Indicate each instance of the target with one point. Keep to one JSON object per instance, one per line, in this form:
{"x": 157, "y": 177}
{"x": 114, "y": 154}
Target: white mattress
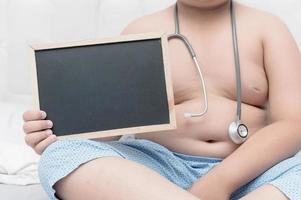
{"x": 29, "y": 192}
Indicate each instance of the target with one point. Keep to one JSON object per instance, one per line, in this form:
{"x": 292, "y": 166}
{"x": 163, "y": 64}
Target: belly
{"x": 207, "y": 135}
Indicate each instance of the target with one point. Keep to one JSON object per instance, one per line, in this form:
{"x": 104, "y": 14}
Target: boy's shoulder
{"x": 150, "y": 23}
{"x": 260, "y": 20}
{"x": 252, "y": 18}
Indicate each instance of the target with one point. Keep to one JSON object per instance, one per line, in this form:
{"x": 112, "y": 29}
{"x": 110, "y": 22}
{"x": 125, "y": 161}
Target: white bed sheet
{"x": 15, "y": 192}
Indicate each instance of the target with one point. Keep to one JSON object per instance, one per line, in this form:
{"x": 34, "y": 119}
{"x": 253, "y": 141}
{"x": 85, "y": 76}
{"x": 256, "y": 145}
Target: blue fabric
{"x": 63, "y": 157}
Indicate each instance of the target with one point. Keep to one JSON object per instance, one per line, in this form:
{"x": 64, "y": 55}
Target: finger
{"x": 34, "y": 126}
{"x": 34, "y": 138}
{"x": 32, "y": 115}
{"x": 39, "y": 148}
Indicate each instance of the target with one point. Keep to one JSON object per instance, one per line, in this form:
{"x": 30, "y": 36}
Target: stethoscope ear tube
{"x": 238, "y": 132}
{"x": 178, "y": 35}
{"x": 197, "y": 65}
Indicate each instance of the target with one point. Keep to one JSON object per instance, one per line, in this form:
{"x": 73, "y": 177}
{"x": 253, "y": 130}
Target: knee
{"x": 90, "y": 180}
{"x": 65, "y": 156}
{"x": 57, "y": 158}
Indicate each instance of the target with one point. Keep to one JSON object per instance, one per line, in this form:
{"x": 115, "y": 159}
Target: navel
{"x": 256, "y": 89}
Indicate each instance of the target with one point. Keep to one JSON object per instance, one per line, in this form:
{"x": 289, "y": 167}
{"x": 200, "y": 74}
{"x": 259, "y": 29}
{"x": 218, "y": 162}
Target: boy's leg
{"x": 280, "y": 182}
{"x": 113, "y": 178}
{"x": 265, "y": 192}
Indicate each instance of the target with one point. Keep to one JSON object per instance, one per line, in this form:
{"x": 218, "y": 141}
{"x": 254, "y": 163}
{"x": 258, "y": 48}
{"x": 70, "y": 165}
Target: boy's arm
{"x": 282, "y": 137}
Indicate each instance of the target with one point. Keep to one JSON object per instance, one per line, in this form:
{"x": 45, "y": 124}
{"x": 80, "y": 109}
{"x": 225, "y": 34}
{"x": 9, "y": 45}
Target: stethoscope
{"x": 238, "y": 132}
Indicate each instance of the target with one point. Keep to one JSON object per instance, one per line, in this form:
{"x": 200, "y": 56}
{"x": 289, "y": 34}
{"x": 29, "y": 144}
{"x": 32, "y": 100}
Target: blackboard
{"x": 105, "y": 87}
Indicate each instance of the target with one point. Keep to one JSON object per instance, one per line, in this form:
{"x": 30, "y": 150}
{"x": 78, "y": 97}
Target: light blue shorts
{"x": 63, "y": 157}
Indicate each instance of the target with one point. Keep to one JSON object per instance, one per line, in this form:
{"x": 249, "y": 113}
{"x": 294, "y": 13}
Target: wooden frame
{"x": 123, "y": 38}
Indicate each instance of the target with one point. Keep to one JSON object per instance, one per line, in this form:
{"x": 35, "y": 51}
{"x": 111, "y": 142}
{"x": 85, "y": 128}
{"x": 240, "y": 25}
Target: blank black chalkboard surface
{"x": 105, "y": 87}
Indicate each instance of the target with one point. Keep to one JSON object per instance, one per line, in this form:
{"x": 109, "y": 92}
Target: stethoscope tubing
{"x": 237, "y": 61}
{"x": 196, "y": 62}
{"x": 178, "y": 35}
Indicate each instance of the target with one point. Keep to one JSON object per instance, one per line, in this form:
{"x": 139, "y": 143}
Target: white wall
{"x": 39, "y": 21}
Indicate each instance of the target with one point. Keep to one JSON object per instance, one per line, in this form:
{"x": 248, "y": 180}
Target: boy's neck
{"x": 202, "y": 13}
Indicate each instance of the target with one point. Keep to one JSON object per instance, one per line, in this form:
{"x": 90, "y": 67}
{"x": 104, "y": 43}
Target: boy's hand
{"x": 37, "y": 129}
{"x": 208, "y": 189}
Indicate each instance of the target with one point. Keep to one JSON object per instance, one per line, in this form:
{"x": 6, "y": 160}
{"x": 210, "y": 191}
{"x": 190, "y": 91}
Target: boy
{"x": 197, "y": 160}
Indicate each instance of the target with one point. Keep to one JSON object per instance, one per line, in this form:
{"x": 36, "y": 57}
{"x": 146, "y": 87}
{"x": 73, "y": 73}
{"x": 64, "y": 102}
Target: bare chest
{"x": 216, "y": 57}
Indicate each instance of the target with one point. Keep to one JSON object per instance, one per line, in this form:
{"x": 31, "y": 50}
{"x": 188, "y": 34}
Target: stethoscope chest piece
{"x": 238, "y": 132}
